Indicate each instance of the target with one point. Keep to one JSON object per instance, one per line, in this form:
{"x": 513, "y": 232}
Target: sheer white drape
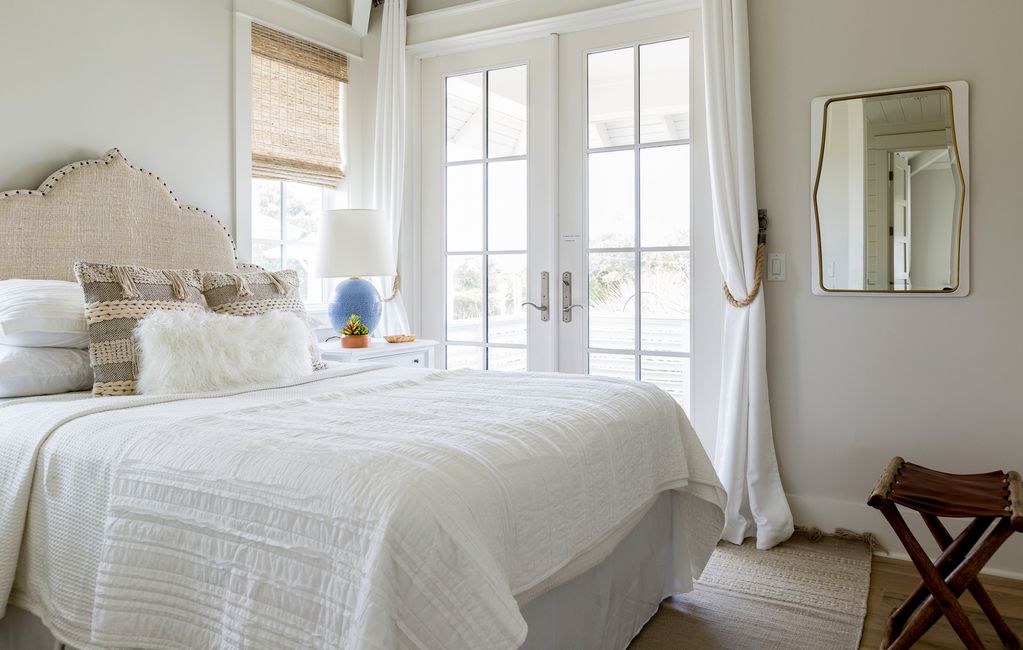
{"x": 745, "y": 457}
{"x": 389, "y": 150}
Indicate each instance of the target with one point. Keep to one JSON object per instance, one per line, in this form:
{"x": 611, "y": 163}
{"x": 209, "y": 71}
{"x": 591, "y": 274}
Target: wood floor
{"x": 891, "y": 581}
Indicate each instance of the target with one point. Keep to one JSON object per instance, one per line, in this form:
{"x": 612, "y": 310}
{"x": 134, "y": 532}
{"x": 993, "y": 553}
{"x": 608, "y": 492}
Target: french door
{"x": 486, "y": 226}
{"x": 557, "y": 172}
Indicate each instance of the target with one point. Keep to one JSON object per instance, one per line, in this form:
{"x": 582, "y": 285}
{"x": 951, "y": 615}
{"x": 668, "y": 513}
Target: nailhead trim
{"x": 111, "y": 156}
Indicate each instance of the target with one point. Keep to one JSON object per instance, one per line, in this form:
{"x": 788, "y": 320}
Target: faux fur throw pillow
{"x": 196, "y": 352}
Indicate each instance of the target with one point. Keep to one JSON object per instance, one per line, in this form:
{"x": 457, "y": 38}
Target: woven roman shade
{"x": 296, "y": 109}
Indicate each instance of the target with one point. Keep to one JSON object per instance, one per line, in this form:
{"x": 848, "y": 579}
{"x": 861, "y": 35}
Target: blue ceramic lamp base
{"x": 355, "y": 296}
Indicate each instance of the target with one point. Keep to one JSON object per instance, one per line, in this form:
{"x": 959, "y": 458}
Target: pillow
{"x": 249, "y": 294}
{"x": 186, "y": 352}
{"x": 42, "y": 314}
{"x": 116, "y": 299}
{"x": 43, "y": 371}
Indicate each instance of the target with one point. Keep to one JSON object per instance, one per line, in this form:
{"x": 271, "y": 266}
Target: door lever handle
{"x": 545, "y": 305}
{"x": 566, "y": 298}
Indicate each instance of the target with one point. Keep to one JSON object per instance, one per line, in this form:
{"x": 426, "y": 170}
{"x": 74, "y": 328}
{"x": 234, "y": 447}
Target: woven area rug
{"x": 801, "y": 594}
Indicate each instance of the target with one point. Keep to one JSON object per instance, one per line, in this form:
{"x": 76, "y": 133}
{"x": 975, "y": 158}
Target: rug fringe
{"x": 814, "y": 534}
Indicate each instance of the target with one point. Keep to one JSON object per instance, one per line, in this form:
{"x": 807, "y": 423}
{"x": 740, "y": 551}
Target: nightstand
{"x": 420, "y": 353}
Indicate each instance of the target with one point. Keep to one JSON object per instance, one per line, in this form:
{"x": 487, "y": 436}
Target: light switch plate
{"x": 775, "y": 267}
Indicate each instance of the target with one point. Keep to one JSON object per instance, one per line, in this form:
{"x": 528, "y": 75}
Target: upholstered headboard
{"x": 106, "y": 210}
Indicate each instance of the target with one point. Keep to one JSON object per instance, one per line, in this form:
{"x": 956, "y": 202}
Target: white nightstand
{"x": 420, "y": 353}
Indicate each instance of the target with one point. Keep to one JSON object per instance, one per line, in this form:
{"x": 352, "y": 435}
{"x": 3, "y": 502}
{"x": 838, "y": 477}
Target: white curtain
{"x": 389, "y": 152}
{"x": 745, "y": 457}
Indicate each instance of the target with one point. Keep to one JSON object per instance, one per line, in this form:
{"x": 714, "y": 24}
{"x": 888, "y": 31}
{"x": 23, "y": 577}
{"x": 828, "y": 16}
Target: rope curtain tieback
{"x": 395, "y": 287}
{"x": 757, "y": 279}
{"x": 758, "y": 275}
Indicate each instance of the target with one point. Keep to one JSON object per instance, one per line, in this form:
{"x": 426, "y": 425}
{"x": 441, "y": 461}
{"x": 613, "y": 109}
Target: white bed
{"x": 366, "y": 507}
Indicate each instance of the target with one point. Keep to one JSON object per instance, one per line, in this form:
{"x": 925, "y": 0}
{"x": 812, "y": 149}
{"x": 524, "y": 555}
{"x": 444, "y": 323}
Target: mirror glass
{"x": 889, "y": 193}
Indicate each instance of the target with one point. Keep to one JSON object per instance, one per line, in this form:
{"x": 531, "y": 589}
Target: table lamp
{"x": 354, "y": 243}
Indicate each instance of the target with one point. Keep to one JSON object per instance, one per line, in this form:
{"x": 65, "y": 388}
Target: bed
{"x": 360, "y": 507}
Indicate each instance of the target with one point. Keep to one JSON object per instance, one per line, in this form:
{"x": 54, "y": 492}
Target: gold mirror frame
{"x": 962, "y": 197}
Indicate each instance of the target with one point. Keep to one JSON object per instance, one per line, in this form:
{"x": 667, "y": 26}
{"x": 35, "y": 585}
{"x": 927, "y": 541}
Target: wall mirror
{"x": 890, "y": 192}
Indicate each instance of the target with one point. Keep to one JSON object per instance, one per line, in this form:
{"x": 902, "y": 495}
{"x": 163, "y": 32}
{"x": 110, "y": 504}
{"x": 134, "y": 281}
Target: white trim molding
{"x": 242, "y": 216}
{"x": 302, "y": 22}
{"x": 486, "y": 24}
{"x": 828, "y": 513}
{"x": 360, "y": 16}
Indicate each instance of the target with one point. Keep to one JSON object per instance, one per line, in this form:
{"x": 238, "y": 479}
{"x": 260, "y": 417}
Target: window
{"x": 285, "y": 221}
{"x": 297, "y": 127}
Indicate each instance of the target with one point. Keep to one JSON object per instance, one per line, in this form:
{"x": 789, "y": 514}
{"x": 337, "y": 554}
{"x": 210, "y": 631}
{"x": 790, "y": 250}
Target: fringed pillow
{"x": 249, "y": 294}
{"x": 116, "y": 299}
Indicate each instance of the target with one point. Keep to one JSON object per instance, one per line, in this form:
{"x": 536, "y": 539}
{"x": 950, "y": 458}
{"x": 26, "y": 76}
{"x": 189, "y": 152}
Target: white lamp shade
{"x": 354, "y": 242}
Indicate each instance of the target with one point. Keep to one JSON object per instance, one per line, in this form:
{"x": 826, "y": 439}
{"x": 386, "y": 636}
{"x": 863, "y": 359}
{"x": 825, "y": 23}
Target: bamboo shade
{"x": 296, "y": 109}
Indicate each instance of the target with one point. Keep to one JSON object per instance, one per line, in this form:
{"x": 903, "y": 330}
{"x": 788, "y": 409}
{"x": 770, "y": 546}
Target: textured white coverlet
{"x": 404, "y": 512}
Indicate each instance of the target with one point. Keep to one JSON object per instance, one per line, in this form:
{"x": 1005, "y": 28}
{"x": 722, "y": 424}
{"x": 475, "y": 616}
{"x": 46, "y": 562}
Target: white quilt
{"x": 370, "y": 508}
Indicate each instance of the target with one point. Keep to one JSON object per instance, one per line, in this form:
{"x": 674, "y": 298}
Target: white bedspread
{"x": 370, "y": 508}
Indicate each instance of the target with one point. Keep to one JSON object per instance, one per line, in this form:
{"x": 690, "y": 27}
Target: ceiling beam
{"x": 360, "y": 16}
{"x": 928, "y": 159}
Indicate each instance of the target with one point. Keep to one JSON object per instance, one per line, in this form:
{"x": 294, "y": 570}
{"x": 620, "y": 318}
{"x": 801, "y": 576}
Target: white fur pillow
{"x": 191, "y": 352}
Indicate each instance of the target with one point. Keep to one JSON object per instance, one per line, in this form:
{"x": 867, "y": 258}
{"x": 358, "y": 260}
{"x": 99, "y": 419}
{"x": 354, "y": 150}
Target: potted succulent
{"x": 355, "y": 334}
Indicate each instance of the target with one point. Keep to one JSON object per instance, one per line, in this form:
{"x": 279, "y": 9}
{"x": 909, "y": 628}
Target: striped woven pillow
{"x": 249, "y": 294}
{"x": 116, "y": 299}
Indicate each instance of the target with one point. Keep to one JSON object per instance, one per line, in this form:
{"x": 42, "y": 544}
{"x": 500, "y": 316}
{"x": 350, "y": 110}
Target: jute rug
{"x": 799, "y": 595}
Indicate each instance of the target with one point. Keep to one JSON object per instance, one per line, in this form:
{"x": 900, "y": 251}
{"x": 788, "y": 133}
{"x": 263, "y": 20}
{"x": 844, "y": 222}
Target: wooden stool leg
{"x": 944, "y": 540}
{"x": 965, "y": 573}
{"x": 952, "y": 555}
{"x": 941, "y": 597}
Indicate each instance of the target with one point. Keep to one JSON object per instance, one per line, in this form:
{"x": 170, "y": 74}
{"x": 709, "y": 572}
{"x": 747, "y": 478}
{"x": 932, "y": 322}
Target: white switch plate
{"x": 776, "y": 267}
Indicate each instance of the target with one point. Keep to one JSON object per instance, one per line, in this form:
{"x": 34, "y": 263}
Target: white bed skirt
{"x": 600, "y": 609}
{"x": 605, "y": 607}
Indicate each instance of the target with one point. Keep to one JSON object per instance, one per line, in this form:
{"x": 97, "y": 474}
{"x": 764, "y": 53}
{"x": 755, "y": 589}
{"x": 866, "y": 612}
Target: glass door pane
{"x": 637, "y": 216}
{"x": 486, "y": 217}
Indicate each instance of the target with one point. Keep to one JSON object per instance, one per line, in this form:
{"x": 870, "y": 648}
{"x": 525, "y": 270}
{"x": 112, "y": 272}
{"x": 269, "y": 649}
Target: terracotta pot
{"x": 360, "y": 341}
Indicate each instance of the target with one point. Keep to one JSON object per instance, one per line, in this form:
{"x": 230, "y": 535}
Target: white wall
{"x": 153, "y": 79}
{"x": 846, "y": 399}
{"x": 337, "y": 9}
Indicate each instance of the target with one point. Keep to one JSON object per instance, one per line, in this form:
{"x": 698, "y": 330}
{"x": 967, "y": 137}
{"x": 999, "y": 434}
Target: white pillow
{"x": 43, "y": 371}
{"x": 191, "y": 352}
{"x": 43, "y": 314}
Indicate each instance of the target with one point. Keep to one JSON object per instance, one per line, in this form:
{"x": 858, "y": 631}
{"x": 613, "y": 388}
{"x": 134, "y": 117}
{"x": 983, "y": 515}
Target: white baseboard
{"x": 828, "y": 514}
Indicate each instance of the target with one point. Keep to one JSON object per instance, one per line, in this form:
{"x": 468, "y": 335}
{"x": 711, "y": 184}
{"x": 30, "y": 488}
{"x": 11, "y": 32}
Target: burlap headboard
{"x": 106, "y": 210}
